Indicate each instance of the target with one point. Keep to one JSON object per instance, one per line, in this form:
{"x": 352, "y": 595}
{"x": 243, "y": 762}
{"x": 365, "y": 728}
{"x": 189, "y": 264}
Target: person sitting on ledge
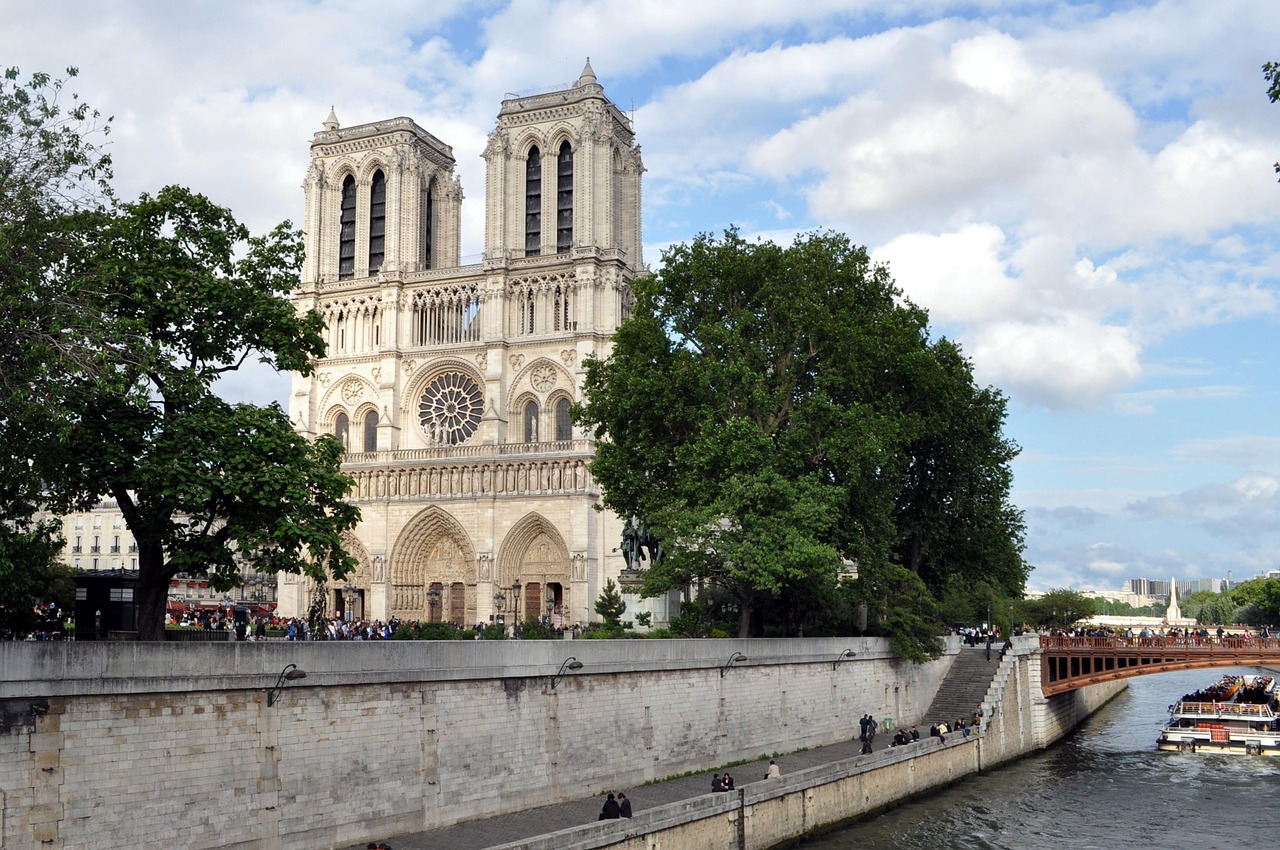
{"x": 774, "y": 772}
{"x": 611, "y": 809}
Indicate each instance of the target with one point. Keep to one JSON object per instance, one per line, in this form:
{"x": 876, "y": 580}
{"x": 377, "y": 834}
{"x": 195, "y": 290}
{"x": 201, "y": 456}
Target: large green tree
{"x": 187, "y": 295}
{"x": 116, "y": 322}
{"x": 775, "y": 412}
{"x": 50, "y": 169}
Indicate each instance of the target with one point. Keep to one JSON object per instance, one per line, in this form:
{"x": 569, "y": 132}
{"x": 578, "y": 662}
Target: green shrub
{"x": 437, "y": 631}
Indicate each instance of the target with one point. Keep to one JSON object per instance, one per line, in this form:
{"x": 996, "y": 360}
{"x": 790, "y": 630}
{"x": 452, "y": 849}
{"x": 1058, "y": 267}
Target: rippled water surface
{"x": 1105, "y": 786}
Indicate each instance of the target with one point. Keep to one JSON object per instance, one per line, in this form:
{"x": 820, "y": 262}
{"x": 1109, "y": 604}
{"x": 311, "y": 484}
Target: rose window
{"x": 450, "y": 409}
{"x": 544, "y": 378}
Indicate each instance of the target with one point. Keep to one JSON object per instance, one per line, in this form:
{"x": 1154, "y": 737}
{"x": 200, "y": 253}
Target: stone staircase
{"x": 965, "y": 685}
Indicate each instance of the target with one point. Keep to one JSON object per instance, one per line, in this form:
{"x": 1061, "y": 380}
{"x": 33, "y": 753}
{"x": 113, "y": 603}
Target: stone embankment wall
{"x": 120, "y": 745}
{"x": 765, "y": 814}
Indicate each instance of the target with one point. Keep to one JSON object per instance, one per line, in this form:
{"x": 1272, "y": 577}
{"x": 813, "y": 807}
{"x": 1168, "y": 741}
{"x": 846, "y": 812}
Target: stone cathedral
{"x": 451, "y": 384}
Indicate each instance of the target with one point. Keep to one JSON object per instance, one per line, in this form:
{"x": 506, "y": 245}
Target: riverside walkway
{"x": 531, "y": 823}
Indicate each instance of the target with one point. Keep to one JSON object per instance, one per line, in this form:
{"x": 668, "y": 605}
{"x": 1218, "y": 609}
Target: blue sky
{"x": 1082, "y": 195}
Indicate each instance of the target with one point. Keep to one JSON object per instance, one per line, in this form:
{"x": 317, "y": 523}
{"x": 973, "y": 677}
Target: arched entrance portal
{"x": 349, "y": 599}
{"x": 433, "y": 571}
{"x": 535, "y": 557}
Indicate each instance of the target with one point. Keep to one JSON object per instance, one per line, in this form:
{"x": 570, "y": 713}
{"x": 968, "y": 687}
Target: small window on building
{"x": 377, "y": 221}
{"x": 428, "y": 223}
{"x": 371, "y": 431}
{"x": 564, "y": 425}
{"x": 347, "y": 231}
{"x": 564, "y": 199}
{"x": 341, "y": 428}
{"x": 533, "y": 204}
{"x": 531, "y": 422}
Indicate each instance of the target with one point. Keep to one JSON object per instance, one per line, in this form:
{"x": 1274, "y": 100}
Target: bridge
{"x": 1068, "y": 663}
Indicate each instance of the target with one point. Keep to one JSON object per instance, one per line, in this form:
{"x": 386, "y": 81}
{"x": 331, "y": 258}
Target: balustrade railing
{"x": 1212, "y": 642}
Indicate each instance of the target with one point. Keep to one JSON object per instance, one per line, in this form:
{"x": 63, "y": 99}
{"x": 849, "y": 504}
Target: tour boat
{"x": 1239, "y": 714}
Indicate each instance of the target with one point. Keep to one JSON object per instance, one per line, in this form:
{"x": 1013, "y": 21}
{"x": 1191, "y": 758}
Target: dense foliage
{"x": 778, "y": 416}
{"x": 117, "y": 321}
{"x": 1271, "y": 71}
{"x": 50, "y": 170}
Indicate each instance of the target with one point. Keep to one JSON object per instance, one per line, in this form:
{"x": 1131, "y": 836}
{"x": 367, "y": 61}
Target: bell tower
{"x": 563, "y": 173}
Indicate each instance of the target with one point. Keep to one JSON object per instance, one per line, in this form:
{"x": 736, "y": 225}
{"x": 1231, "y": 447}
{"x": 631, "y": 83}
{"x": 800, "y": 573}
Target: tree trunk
{"x": 153, "y": 592}
{"x": 744, "y": 614}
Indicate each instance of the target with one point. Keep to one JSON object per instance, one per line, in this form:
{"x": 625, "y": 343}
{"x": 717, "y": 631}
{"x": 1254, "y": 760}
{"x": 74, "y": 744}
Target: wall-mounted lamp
{"x": 733, "y": 659}
{"x": 290, "y": 673}
{"x": 844, "y": 656}
{"x": 570, "y": 664}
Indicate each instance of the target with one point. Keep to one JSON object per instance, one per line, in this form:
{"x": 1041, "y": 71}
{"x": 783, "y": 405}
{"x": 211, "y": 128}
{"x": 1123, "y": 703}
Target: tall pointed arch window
{"x": 347, "y": 231}
{"x": 564, "y": 199}
{"x": 533, "y": 203}
{"x": 371, "y": 431}
{"x": 377, "y": 221}
{"x": 341, "y": 428}
{"x": 531, "y": 422}
{"x": 428, "y": 222}
{"x": 564, "y": 425}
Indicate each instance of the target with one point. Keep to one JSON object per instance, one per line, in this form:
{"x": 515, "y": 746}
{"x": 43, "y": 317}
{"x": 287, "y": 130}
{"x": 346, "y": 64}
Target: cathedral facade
{"x": 451, "y": 384}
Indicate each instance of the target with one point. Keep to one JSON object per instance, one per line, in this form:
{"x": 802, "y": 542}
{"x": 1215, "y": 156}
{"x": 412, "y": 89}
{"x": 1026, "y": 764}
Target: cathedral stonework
{"x": 451, "y": 384}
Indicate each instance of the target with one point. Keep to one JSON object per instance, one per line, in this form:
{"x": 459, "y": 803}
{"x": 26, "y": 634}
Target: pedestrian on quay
{"x": 728, "y": 782}
{"x": 717, "y": 784}
{"x": 611, "y": 810}
{"x": 773, "y": 772}
{"x": 863, "y": 722}
{"x": 624, "y": 805}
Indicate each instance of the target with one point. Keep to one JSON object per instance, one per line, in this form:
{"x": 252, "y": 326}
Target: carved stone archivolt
{"x": 432, "y": 549}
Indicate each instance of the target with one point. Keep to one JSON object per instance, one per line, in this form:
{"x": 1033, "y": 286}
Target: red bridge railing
{"x": 1070, "y": 662}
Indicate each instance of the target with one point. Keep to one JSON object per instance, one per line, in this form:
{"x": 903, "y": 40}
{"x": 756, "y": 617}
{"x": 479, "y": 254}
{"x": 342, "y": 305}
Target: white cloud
{"x": 1247, "y": 452}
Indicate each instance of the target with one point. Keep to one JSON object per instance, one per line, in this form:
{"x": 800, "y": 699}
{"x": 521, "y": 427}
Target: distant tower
{"x": 1175, "y": 613}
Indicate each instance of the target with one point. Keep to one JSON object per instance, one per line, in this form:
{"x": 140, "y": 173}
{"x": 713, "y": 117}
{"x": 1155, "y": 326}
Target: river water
{"x": 1105, "y": 786}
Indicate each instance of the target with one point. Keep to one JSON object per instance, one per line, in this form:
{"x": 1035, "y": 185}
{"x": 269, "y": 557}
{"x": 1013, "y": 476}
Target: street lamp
{"x": 515, "y": 592}
{"x": 847, "y": 655}
{"x": 348, "y": 598}
{"x": 433, "y": 599}
{"x": 290, "y": 673}
{"x": 570, "y": 663}
{"x": 736, "y": 658}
